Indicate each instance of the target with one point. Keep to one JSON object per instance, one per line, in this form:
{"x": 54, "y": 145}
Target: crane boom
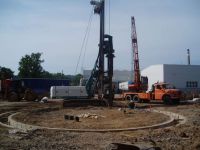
{"x": 138, "y": 90}
{"x": 137, "y": 77}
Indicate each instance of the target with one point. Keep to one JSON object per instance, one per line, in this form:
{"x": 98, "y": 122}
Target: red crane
{"x": 136, "y": 86}
{"x": 138, "y": 90}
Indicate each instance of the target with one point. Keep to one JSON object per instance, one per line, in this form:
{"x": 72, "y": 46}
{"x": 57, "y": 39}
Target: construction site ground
{"x": 176, "y": 137}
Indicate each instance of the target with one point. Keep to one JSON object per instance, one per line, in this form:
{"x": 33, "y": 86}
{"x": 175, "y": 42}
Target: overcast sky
{"x": 56, "y": 28}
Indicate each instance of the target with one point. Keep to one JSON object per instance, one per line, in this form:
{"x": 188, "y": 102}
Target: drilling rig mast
{"x": 103, "y": 77}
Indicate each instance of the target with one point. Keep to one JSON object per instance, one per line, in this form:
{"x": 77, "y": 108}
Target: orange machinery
{"x": 138, "y": 90}
{"x": 160, "y": 91}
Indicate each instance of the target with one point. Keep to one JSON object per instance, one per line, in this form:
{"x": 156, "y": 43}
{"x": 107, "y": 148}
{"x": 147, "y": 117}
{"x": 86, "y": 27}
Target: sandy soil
{"x": 182, "y": 137}
{"x": 92, "y": 118}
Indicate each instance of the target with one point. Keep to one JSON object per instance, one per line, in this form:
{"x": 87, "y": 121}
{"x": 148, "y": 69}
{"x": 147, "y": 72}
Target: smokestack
{"x": 188, "y": 55}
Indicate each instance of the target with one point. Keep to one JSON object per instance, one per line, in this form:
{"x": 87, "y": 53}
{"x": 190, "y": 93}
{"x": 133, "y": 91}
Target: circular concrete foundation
{"x": 173, "y": 118}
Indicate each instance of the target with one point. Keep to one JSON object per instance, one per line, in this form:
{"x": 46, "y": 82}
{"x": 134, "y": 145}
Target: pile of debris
{"x": 194, "y": 101}
{"x": 91, "y": 116}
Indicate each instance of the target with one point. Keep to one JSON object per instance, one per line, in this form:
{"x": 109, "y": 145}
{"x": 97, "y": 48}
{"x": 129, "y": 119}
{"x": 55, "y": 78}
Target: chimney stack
{"x": 188, "y": 55}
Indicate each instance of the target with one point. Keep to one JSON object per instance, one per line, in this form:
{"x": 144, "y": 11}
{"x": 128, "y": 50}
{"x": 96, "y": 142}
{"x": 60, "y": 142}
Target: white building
{"x": 184, "y": 77}
{"x": 118, "y": 75}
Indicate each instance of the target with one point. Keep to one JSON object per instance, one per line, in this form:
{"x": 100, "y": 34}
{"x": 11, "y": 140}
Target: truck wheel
{"x": 29, "y": 95}
{"x": 136, "y": 98}
{"x": 13, "y": 97}
{"x": 176, "y": 101}
{"x": 128, "y": 97}
{"x": 167, "y": 100}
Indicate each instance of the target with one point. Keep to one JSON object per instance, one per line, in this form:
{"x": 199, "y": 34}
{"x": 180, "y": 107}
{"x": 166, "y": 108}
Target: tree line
{"x": 30, "y": 66}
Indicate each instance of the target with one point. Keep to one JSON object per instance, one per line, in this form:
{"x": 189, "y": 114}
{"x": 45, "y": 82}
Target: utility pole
{"x": 188, "y": 56}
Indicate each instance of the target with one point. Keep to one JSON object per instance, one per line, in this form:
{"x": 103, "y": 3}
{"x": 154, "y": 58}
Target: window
{"x": 191, "y": 84}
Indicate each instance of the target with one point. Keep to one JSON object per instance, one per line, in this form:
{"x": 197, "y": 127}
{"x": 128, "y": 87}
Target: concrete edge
{"x": 182, "y": 119}
{"x": 3, "y": 124}
{"x": 171, "y": 121}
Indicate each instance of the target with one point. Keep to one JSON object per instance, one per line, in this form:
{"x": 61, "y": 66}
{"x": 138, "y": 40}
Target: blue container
{"x": 39, "y": 85}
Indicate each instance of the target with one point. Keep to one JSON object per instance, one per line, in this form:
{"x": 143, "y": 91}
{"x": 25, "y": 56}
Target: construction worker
{"x": 131, "y": 104}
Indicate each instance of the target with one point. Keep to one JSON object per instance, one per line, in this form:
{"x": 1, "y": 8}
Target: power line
{"x": 89, "y": 29}
{"x": 109, "y": 15}
{"x": 84, "y": 40}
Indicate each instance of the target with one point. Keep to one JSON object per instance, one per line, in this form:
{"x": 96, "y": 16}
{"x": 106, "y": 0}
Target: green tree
{"x": 30, "y": 66}
{"x": 76, "y": 79}
{"x": 6, "y": 73}
{"x": 46, "y": 74}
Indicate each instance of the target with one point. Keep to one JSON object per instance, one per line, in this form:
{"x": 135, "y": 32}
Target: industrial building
{"x": 184, "y": 77}
{"x": 118, "y": 75}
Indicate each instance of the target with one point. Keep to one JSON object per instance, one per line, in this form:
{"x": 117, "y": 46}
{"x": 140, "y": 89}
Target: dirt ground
{"x": 92, "y": 118}
{"x": 182, "y": 137}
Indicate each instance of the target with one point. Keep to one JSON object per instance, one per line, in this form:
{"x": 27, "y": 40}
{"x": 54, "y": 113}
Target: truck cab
{"x": 166, "y": 92}
{"x": 160, "y": 92}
